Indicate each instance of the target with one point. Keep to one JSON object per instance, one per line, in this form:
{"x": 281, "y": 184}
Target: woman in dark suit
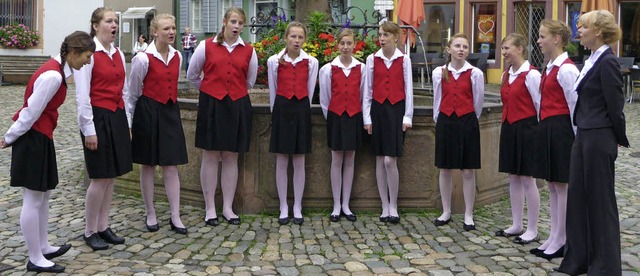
{"x": 593, "y": 229}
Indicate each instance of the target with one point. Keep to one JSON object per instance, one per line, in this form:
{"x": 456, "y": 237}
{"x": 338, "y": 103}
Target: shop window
{"x": 484, "y": 29}
{"x": 574, "y": 49}
{"x": 18, "y": 11}
{"x": 630, "y": 24}
{"x": 438, "y": 27}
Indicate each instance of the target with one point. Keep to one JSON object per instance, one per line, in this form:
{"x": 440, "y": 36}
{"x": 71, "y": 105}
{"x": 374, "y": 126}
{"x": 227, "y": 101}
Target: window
{"x": 630, "y": 25}
{"x": 574, "y": 49}
{"x": 224, "y": 6}
{"x": 438, "y": 27}
{"x": 266, "y": 8}
{"x": 528, "y": 16}
{"x": 196, "y": 19}
{"x": 484, "y": 27}
{"x": 338, "y": 8}
{"x": 18, "y": 11}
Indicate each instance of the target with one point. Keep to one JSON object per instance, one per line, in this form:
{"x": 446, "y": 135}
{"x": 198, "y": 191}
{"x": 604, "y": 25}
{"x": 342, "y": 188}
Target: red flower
{"x": 327, "y": 52}
{"x": 275, "y": 37}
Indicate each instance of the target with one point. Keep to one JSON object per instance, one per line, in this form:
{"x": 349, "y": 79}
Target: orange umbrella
{"x": 592, "y": 5}
{"x": 411, "y": 12}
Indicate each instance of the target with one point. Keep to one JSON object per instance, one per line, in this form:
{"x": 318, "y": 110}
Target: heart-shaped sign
{"x": 486, "y": 26}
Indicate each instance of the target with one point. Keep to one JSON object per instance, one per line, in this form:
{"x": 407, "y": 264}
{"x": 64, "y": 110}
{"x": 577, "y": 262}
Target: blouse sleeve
{"x": 82, "y": 79}
{"x": 325, "y": 88}
{"x": 436, "y": 77}
{"x": 533, "y": 86}
{"x": 139, "y": 69}
{"x": 272, "y": 78}
{"x": 368, "y": 91}
{"x": 195, "y": 65}
{"x": 408, "y": 91}
{"x": 313, "y": 77}
{"x": 477, "y": 86}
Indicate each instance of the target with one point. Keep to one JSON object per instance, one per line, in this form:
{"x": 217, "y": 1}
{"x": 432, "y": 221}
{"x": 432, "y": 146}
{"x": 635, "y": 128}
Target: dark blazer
{"x": 600, "y": 98}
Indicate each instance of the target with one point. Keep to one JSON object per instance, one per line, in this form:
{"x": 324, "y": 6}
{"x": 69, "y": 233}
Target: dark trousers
{"x": 593, "y": 228}
{"x": 186, "y": 56}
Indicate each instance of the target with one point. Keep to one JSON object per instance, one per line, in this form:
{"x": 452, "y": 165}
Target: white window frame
{"x": 196, "y": 16}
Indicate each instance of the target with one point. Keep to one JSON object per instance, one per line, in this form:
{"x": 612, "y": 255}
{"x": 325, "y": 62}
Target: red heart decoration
{"x": 486, "y": 26}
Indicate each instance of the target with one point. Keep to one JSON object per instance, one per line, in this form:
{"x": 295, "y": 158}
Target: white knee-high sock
{"x": 469, "y": 190}
{"x": 32, "y": 202}
{"x": 446, "y": 189}
{"x": 348, "y": 167}
{"x": 147, "y": 188}
{"x": 92, "y": 205}
{"x": 533, "y": 206}
{"x": 516, "y": 196}
{"x": 282, "y": 164}
{"x": 209, "y": 181}
{"x": 298, "y": 183}
{"x": 383, "y": 188}
{"x": 393, "y": 182}
{"x": 553, "y": 209}
{"x": 172, "y": 188}
{"x": 229, "y": 182}
{"x": 103, "y": 214}
{"x": 337, "y": 158}
{"x": 560, "y": 235}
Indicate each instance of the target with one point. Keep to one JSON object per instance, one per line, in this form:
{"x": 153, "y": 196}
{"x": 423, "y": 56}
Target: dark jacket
{"x": 600, "y": 98}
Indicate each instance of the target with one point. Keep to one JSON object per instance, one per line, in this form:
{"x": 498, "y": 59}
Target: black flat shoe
{"x": 152, "y": 228}
{"x": 559, "y": 253}
{"x": 384, "y": 219}
{"x": 283, "y": 221}
{"x": 110, "y": 237}
{"x": 521, "y": 241}
{"x": 179, "y": 230}
{"x": 52, "y": 269}
{"x": 95, "y": 242}
{"x": 212, "y": 222}
{"x": 438, "y": 222}
{"x": 351, "y": 217}
{"x": 536, "y": 251}
{"x": 63, "y": 249}
{"x": 232, "y": 221}
{"x": 502, "y": 233}
{"x": 394, "y": 219}
{"x": 298, "y": 221}
{"x": 468, "y": 227}
{"x": 334, "y": 218}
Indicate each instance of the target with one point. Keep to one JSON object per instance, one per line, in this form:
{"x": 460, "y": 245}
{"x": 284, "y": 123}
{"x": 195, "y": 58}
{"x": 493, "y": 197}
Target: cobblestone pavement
{"x": 260, "y": 246}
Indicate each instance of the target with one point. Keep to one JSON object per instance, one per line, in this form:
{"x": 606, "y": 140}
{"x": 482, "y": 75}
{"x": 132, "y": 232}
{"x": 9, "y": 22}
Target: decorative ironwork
{"x": 262, "y": 22}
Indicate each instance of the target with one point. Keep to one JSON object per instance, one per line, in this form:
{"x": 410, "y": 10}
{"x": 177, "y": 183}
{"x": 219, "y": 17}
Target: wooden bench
{"x": 18, "y": 69}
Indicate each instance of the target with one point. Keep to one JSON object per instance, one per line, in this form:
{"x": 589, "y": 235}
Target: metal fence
{"x": 18, "y": 11}
{"x": 528, "y": 16}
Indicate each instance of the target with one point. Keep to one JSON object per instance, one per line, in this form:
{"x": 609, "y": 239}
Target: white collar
{"x": 151, "y": 49}
{"x": 336, "y": 62}
{"x": 396, "y": 54}
{"x": 595, "y": 55}
{"x": 67, "y": 69}
{"x": 234, "y": 44}
{"x": 525, "y": 67}
{"x": 99, "y": 47}
{"x": 465, "y": 67}
{"x": 558, "y": 61}
{"x": 303, "y": 55}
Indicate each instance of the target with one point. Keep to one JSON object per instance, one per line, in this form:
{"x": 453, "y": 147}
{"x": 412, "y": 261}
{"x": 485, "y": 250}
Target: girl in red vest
{"x": 458, "y": 93}
{"x": 387, "y": 113}
{"x": 292, "y": 75}
{"x": 555, "y": 132}
{"x": 223, "y": 127}
{"x": 100, "y": 96}
{"x": 341, "y": 84}
{"x": 157, "y": 135}
{"x": 31, "y": 138}
{"x": 520, "y": 104}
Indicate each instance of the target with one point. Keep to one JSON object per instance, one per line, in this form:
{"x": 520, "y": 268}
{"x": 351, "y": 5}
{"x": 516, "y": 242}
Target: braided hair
{"x": 228, "y": 14}
{"x": 77, "y": 42}
{"x": 286, "y": 33}
{"x": 445, "y": 70}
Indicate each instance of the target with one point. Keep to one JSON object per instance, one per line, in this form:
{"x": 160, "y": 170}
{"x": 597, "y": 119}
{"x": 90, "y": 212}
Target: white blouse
{"x": 477, "y": 87}
{"x": 272, "y": 73}
{"x": 325, "y": 80}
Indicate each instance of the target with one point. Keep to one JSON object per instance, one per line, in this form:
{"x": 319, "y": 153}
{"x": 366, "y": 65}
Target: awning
{"x": 136, "y": 13}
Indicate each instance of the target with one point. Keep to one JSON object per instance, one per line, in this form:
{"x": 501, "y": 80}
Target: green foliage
{"x": 18, "y": 36}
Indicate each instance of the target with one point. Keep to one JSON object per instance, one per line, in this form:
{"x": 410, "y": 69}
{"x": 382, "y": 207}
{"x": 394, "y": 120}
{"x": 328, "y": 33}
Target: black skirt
{"x": 157, "y": 134}
{"x": 33, "y": 162}
{"x": 113, "y": 156}
{"x": 387, "y": 135}
{"x": 290, "y": 126}
{"x": 554, "y": 139}
{"x": 223, "y": 125}
{"x": 517, "y": 147}
{"x": 344, "y": 133}
{"x": 457, "y": 142}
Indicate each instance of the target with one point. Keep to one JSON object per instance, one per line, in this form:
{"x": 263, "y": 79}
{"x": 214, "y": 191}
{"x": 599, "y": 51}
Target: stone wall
{"x": 256, "y": 189}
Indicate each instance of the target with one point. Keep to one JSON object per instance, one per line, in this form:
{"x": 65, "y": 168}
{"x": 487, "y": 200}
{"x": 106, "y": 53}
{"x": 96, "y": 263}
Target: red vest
{"x": 225, "y": 73}
{"x": 457, "y": 95}
{"x": 292, "y": 80}
{"x": 48, "y": 120}
{"x": 345, "y": 91}
{"x": 161, "y": 80}
{"x": 388, "y": 83}
{"x": 552, "y": 101}
{"x": 516, "y": 100}
{"x": 107, "y": 81}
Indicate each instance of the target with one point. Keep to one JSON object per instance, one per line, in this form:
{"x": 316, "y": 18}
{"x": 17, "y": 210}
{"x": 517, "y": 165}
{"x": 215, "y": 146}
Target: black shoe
{"x": 438, "y": 222}
{"x": 110, "y": 237}
{"x": 559, "y": 253}
{"x": 350, "y": 217}
{"x": 521, "y": 241}
{"x": 212, "y": 222}
{"x": 468, "y": 227}
{"x": 334, "y": 218}
{"x": 63, "y": 249}
{"x": 95, "y": 242}
{"x": 283, "y": 221}
{"x": 53, "y": 269}
{"x": 394, "y": 219}
{"x": 153, "y": 228}
{"x": 536, "y": 251}
{"x": 232, "y": 221}
{"x": 502, "y": 233}
{"x": 384, "y": 219}
{"x": 179, "y": 230}
{"x": 298, "y": 221}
